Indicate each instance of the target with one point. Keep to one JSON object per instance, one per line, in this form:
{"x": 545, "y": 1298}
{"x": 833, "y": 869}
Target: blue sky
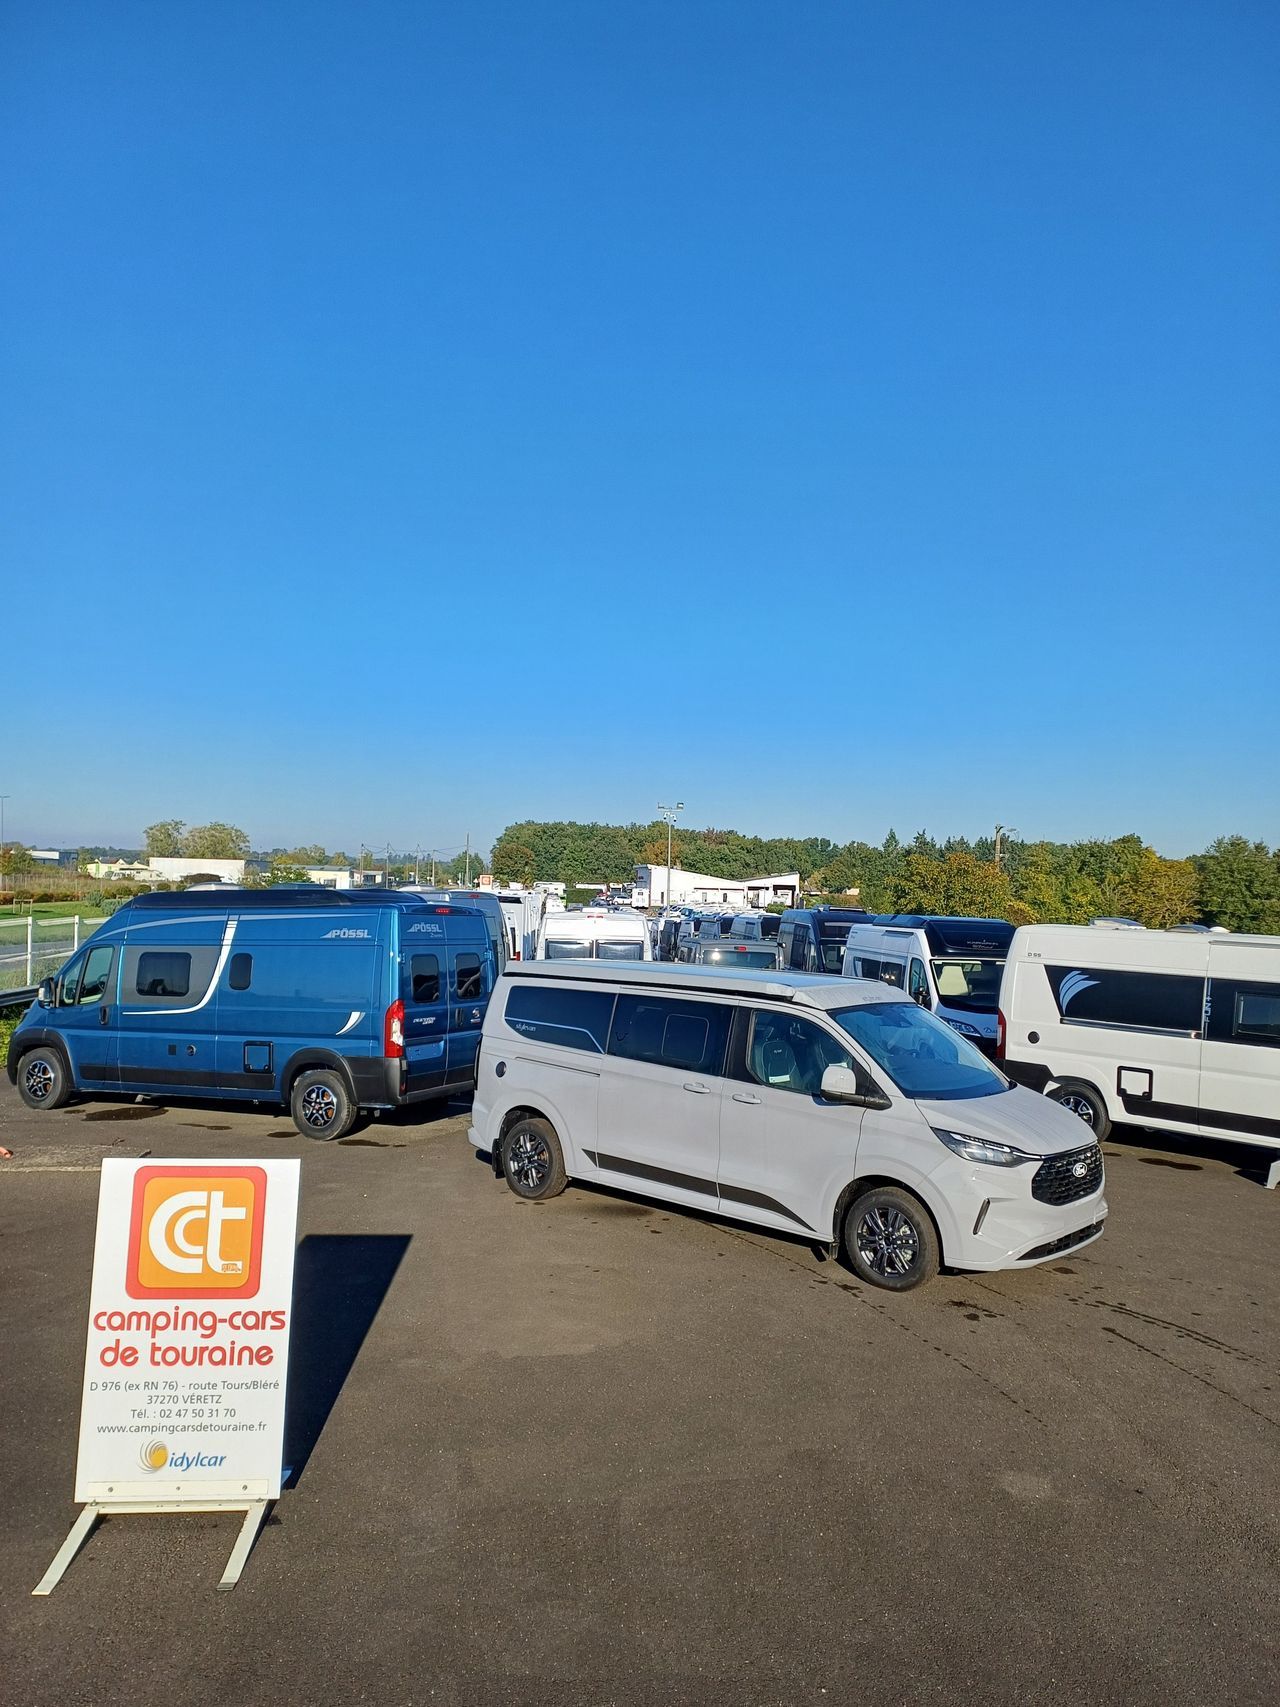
{"x": 415, "y": 418}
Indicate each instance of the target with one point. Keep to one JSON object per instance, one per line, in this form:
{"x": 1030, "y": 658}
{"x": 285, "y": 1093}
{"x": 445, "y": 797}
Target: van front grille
{"x": 1069, "y": 1177}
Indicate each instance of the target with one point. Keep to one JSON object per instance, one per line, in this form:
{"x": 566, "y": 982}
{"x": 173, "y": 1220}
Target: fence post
{"x": 75, "y": 933}
{"x": 31, "y": 928}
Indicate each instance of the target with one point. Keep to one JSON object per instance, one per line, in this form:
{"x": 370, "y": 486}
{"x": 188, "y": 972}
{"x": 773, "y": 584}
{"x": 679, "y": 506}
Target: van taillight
{"x": 393, "y": 1031}
{"x": 1000, "y": 1035}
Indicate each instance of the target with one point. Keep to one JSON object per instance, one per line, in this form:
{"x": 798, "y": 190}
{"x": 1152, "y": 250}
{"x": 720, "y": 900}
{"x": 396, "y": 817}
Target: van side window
{"x": 88, "y": 981}
{"x": 892, "y": 971}
{"x": 575, "y": 1019}
{"x": 468, "y": 978}
{"x": 918, "y": 984}
{"x": 240, "y": 973}
{"x": 1244, "y": 1013}
{"x": 159, "y": 977}
{"x": 670, "y": 1032}
{"x": 790, "y": 1054}
{"x": 799, "y": 948}
{"x": 1147, "y": 1001}
{"x": 163, "y": 972}
{"x": 424, "y": 977}
{"x": 868, "y": 966}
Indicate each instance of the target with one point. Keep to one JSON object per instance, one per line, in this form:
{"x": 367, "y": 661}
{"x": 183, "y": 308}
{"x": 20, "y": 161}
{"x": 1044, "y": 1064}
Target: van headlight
{"x": 982, "y": 1149}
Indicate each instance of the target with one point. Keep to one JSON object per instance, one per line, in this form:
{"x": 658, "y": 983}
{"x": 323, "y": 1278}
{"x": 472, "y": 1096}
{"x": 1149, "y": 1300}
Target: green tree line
{"x": 1235, "y": 882}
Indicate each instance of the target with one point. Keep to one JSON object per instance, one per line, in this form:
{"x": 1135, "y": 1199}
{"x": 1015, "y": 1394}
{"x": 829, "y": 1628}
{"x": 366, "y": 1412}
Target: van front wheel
{"x": 321, "y": 1104}
{"x": 889, "y": 1238}
{"x": 42, "y": 1079}
{"x": 533, "y": 1162}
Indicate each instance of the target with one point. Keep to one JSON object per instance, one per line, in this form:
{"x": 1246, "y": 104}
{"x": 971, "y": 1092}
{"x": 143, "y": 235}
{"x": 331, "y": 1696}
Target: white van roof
{"x": 806, "y": 989}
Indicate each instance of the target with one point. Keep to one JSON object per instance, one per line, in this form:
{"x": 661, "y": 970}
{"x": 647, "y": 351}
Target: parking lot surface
{"x": 599, "y": 1451}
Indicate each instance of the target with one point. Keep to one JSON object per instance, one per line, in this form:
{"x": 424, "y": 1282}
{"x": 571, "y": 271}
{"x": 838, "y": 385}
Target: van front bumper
{"x": 1021, "y": 1232}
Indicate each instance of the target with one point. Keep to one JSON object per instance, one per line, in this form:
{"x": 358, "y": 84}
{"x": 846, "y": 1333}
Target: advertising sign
{"x": 189, "y": 1316}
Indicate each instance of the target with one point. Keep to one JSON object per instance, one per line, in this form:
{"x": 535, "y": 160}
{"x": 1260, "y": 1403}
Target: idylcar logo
{"x": 154, "y": 1456}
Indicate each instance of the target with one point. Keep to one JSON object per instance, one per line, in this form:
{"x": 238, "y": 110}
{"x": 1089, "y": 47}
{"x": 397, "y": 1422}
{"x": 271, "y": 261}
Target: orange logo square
{"x": 196, "y": 1232}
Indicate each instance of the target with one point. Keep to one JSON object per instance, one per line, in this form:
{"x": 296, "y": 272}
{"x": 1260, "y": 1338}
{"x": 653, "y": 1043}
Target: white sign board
{"x": 189, "y": 1317}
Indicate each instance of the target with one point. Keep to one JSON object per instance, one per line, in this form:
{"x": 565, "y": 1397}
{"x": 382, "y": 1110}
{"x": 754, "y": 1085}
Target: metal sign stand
{"x": 255, "y": 1512}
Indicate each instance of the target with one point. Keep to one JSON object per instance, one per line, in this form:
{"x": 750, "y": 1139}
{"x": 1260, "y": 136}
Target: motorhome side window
{"x": 790, "y": 1054}
{"x": 467, "y": 977}
{"x": 163, "y": 973}
{"x": 1147, "y": 1001}
{"x": 1244, "y": 1013}
{"x": 155, "y": 977}
{"x": 240, "y": 972}
{"x": 574, "y": 1019}
{"x": 670, "y": 1032}
{"x": 424, "y": 975}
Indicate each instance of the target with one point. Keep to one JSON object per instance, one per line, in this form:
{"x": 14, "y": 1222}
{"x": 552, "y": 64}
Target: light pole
{"x": 669, "y": 814}
{"x": 3, "y": 798}
{"x": 1003, "y": 831}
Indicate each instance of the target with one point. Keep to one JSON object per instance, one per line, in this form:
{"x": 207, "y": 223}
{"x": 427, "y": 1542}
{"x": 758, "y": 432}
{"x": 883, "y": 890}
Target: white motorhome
{"x": 523, "y": 910}
{"x": 1178, "y": 1030}
{"x": 950, "y": 966}
{"x": 829, "y": 1110}
{"x": 596, "y": 933}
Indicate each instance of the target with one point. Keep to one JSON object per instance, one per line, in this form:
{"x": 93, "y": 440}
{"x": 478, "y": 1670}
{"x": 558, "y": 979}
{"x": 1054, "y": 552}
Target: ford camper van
{"x": 835, "y": 1110}
{"x": 950, "y": 966}
{"x": 329, "y": 1001}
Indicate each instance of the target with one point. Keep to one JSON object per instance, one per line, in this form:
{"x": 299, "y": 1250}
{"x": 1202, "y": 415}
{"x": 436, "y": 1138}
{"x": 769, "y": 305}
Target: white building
{"x": 165, "y": 868}
{"x": 331, "y": 876}
{"x": 120, "y": 871}
{"x": 696, "y": 889}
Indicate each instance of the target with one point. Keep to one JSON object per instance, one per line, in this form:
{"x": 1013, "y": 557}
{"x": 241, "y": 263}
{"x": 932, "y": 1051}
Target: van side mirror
{"x": 842, "y": 1084}
{"x": 44, "y": 993}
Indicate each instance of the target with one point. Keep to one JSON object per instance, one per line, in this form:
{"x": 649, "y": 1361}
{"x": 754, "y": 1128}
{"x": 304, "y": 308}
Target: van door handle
{"x": 699, "y": 1090}
{"x": 104, "y": 1014}
{"x": 745, "y": 1096}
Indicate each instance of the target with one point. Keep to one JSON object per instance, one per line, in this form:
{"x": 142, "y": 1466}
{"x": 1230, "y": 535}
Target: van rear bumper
{"x": 378, "y": 1081}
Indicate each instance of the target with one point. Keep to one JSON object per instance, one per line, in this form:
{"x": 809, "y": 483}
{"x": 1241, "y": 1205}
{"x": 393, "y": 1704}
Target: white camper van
{"x": 950, "y": 966}
{"x": 1178, "y": 1030}
{"x": 596, "y": 933}
{"x": 523, "y": 910}
{"x": 833, "y": 1111}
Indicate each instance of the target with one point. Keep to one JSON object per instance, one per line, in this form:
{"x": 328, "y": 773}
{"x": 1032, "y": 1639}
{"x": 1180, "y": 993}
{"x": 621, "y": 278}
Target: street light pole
{"x": 3, "y": 798}
{"x": 669, "y": 815}
{"x": 1002, "y": 831}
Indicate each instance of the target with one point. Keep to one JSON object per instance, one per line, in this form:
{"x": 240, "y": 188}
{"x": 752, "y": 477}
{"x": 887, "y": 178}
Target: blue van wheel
{"x": 321, "y": 1104}
{"x": 43, "y": 1081}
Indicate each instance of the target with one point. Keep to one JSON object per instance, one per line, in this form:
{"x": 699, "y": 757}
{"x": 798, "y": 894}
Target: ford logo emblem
{"x": 1080, "y": 1169}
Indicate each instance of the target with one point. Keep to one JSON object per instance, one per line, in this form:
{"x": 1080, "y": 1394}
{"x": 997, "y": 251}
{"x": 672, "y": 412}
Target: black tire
{"x": 533, "y": 1162}
{"x": 1082, "y": 1100}
{"x": 43, "y": 1080}
{"x": 321, "y": 1104}
{"x": 890, "y": 1239}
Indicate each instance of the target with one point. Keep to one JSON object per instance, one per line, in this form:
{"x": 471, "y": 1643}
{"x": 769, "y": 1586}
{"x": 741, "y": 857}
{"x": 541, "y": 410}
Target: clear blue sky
{"x": 420, "y": 417}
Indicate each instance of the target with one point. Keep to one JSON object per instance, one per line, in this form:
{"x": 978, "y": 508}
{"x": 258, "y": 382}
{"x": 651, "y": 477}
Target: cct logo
{"x": 196, "y": 1232}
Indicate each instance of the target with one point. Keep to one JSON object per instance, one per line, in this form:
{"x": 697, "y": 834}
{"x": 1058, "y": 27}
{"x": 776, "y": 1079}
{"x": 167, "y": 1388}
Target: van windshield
{"x": 973, "y": 986}
{"x": 921, "y": 1054}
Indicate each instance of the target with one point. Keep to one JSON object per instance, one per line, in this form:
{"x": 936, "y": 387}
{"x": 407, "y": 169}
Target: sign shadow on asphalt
{"x": 340, "y": 1281}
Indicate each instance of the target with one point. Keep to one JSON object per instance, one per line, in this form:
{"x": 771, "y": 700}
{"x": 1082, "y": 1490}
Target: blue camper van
{"x": 327, "y": 1001}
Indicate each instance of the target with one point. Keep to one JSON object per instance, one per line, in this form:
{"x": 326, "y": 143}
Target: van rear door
{"x": 470, "y": 965}
{"x": 424, "y": 977}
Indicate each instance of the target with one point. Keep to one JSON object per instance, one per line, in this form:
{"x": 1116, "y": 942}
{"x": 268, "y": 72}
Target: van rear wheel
{"x": 1084, "y": 1102}
{"x": 532, "y": 1160}
{"x": 889, "y": 1238}
{"x": 321, "y": 1104}
{"x": 43, "y": 1081}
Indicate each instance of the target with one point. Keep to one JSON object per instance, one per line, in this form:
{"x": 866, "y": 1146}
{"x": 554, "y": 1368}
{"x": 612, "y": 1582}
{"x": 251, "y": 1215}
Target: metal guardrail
{"x": 18, "y": 998}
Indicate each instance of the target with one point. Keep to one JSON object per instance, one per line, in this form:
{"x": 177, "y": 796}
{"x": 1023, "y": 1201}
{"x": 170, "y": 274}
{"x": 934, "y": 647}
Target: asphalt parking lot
{"x": 598, "y": 1451}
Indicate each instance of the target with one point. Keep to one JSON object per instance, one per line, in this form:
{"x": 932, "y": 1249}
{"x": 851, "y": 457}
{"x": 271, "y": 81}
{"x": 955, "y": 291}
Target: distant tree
{"x": 513, "y": 860}
{"x": 282, "y": 871}
{"x": 164, "y": 840}
{"x": 1240, "y": 885}
{"x": 312, "y": 855}
{"x": 215, "y": 841}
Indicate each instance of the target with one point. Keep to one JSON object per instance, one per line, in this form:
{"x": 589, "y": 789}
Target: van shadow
{"x": 339, "y": 1283}
{"x": 1250, "y": 1161}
